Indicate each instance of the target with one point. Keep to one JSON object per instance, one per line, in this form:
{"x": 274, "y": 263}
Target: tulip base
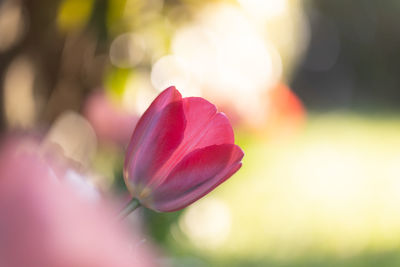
{"x": 130, "y": 207}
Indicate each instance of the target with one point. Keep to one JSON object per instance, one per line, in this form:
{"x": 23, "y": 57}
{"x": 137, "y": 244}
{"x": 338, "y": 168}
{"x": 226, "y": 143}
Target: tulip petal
{"x": 168, "y": 96}
{"x": 158, "y": 133}
{"x": 204, "y": 127}
{"x": 197, "y": 174}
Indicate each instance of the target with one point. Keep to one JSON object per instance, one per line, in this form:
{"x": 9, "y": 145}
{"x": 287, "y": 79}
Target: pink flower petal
{"x": 204, "y": 127}
{"x": 158, "y": 133}
{"x": 45, "y": 223}
{"x": 111, "y": 123}
{"x": 197, "y": 174}
{"x": 168, "y": 96}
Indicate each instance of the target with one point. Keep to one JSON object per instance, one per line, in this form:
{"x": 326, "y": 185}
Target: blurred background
{"x": 311, "y": 87}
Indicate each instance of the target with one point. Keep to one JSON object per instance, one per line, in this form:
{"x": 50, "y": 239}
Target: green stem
{"x": 131, "y": 206}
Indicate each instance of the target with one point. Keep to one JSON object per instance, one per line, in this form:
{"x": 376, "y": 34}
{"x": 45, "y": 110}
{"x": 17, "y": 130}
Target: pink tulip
{"x": 180, "y": 150}
{"x": 44, "y": 223}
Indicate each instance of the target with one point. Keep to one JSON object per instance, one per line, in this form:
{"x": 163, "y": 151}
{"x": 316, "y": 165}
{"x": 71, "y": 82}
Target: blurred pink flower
{"x": 43, "y": 223}
{"x": 181, "y": 149}
{"x": 110, "y": 122}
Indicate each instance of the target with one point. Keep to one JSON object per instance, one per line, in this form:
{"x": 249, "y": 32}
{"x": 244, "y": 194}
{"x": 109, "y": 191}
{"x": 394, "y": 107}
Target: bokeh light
{"x": 127, "y": 50}
{"x": 74, "y": 136}
{"x": 20, "y": 106}
{"x": 13, "y": 23}
{"x": 207, "y": 223}
{"x": 265, "y": 9}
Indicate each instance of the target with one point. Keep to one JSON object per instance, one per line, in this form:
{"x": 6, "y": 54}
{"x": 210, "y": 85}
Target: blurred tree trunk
{"x": 66, "y": 64}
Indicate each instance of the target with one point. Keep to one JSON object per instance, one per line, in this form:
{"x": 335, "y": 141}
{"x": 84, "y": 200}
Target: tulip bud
{"x": 180, "y": 150}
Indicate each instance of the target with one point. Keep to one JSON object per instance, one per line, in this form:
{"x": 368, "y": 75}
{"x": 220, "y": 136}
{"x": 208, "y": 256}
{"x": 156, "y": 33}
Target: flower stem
{"x": 131, "y": 206}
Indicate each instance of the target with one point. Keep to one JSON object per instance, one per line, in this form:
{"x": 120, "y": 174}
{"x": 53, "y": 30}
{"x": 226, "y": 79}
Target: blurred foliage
{"x": 74, "y": 14}
{"x": 116, "y": 80}
{"x": 367, "y": 259}
{"x": 353, "y": 57}
{"x": 159, "y": 223}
